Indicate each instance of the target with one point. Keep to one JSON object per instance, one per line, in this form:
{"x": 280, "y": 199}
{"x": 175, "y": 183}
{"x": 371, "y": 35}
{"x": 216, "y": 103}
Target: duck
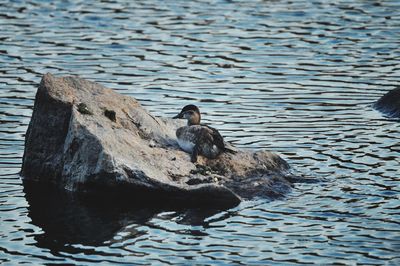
{"x": 199, "y": 139}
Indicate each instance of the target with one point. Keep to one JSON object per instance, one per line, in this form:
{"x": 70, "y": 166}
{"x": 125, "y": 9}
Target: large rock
{"x": 389, "y": 104}
{"x": 85, "y": 137}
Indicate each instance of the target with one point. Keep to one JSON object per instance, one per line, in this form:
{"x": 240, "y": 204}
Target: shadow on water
{"x": 67, "y": 218}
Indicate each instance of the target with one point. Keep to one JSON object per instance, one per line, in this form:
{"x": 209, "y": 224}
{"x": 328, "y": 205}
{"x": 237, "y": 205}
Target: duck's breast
{"x": 186, "y": 145}
{"x": 186, "y": 138}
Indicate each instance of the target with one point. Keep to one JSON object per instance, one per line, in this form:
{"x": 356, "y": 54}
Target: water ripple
{"x": 295, "y": 77}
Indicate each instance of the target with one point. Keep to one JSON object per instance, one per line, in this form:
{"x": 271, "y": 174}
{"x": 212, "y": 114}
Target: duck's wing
{"x": 219, "y": 141}
{"x": 215, "y": 137}
{"x": 198, "y": 134}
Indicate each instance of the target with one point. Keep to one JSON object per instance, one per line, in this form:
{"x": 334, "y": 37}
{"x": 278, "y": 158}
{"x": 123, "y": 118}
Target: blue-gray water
{"x": 295, "y": 77}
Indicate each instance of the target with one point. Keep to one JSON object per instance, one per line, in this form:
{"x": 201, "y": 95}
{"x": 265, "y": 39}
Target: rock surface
{"x": 389, "y": 104}
{"x": 85, "y": 137}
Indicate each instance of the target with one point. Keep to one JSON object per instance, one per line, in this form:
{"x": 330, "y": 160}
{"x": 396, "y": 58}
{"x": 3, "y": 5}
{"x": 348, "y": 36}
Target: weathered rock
{"x": 389, "y": 104}
{"x": 85, "y": 137}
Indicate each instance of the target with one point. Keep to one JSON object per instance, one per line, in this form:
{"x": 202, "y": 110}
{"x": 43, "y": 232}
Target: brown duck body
{"x": 196, "y": 138}
{"x": 200, "y": 140}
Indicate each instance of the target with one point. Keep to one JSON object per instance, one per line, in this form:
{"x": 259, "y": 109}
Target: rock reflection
{"x": 67, "y": 218}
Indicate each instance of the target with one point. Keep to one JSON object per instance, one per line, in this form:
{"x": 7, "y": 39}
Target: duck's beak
{"x": 180, "y": 115}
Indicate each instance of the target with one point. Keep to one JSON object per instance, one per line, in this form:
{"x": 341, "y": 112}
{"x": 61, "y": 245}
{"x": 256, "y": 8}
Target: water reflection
{"x": 67, "y": 218}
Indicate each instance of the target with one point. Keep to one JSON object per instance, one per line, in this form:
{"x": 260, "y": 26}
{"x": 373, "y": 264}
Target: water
{"x": 294, "y": 77}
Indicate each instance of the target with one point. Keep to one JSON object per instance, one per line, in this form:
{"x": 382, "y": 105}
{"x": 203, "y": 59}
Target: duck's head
{"x": 191, "y": 113}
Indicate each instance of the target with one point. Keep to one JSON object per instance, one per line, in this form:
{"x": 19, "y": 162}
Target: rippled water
{"x": 295, "y": 77}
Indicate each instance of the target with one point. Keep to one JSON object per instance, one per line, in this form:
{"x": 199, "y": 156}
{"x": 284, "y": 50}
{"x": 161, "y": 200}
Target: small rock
{"x": 389, "y": 104}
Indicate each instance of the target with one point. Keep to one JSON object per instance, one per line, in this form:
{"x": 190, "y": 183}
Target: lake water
{"x": 294, "y": 77}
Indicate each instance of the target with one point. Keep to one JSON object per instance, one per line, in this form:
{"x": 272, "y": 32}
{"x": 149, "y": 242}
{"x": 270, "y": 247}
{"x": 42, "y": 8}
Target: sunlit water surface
{"x": 294, "y": 77}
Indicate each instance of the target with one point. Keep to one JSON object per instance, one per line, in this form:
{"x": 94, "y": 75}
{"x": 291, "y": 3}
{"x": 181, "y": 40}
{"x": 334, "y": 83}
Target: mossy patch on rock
{"x": 110, "y": 114}
{"x": 84, "y": 109}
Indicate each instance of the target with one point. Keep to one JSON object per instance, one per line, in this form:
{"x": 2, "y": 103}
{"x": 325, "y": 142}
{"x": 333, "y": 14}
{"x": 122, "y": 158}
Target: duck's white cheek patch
{"x": 186, "y": 145}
